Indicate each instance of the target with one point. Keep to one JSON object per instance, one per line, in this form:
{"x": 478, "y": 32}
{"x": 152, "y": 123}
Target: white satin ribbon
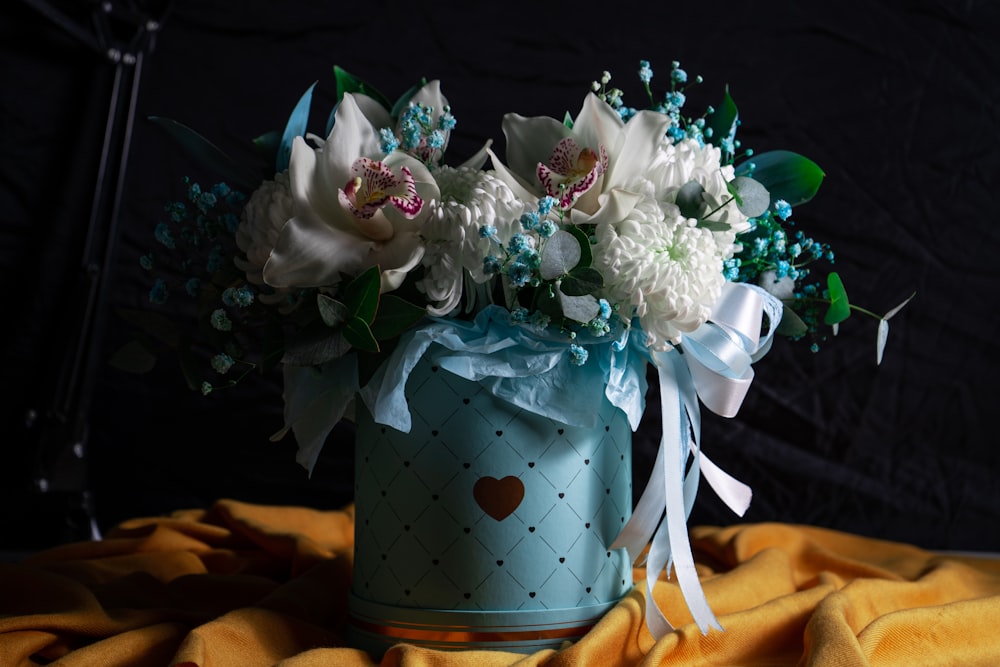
{"x": 715, "y": 367}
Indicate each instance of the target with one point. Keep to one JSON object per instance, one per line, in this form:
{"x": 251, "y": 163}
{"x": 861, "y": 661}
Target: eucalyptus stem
{"x": 851, "y": 306}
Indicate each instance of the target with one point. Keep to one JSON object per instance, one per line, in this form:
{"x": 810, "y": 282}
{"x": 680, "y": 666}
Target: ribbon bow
{"x": 715, "y": 367}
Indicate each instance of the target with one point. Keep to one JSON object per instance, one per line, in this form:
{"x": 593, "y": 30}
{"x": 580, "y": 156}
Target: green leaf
{"x": 395, "y": 315}
{"x": 791, "y": 324}
{"x": 586, "y": 254}
{"x": 267, "y": 146}
{"x": 211, "y": 156}
{"x": 333, "y": 312}
{"x": 547, "y": 302}
{"x": 582, "y": 280}
{"x": 361, "y": 294}
{"x": 298, "y": 120}
{"x": 348, "y": 83}
{"x": 723, "y": 122}
{"x": 786, "y": 175}
{"x": 752, "y": 198}
{"x": 133, "y": 357}
{"x": 689, "y": 199}
{"x": 840, "y": 308}
{"x": 359, "y": 335}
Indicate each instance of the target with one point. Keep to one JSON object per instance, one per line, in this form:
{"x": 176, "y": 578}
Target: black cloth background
{"x": 897, "y": 102}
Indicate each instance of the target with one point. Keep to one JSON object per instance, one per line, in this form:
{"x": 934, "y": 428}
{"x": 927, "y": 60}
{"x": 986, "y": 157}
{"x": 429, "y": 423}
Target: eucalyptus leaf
{"x": 786, "y": 175}
{"x": 892, "y": 312}
{"x": 211, "y": 156}
{"x": 359, "y": 335}
{"x": 133, "y": 357}
{"x": 753, "y": 199}
{"x": 561, "y": 253}
{"x": 361, "y": 295}
{"x": 881, "y": 336}
{"x": 579, "y": 308}
{"x": 840, "y": 308}
{"x": 714, "y": 225}
{"x": 582, "y": 280}
{"x": 333, "y": 312}
{"x": 298, "y": 120}
{"x": 317, "y": 350}
{"x": 791, "y": 325}
{"x": 395, "y": 315}
{"x": 689, "y": 199}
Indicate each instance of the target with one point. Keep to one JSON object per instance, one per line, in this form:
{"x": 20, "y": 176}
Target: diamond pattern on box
{"x": 484, "y": 506}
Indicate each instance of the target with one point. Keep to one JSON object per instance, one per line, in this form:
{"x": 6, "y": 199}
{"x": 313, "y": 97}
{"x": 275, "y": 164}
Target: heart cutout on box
{"x": 498, "y": 497}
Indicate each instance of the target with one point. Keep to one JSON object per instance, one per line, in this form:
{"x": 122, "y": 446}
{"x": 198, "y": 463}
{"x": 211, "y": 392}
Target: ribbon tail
{"x": 734, "y": 493}
{"x": 673, "y": 491}
{"x": 639, "y": 529}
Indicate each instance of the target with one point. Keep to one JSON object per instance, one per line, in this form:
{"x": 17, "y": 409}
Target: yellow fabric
{"x": 242, "y": 585}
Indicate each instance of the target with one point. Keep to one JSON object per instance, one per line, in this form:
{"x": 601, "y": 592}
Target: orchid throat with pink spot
{"x": 572, "y": 171}
{"x": 374, "y": 185}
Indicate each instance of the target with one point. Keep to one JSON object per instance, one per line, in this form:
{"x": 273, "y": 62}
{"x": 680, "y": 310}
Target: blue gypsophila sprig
{"x": 420, "y": 133}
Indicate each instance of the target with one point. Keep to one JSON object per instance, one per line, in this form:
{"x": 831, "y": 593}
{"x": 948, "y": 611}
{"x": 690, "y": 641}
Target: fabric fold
{"x": 246, "y": 584}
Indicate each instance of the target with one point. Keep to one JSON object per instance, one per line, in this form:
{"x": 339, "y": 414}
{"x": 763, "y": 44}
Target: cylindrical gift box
{"x": 487, "y": 525}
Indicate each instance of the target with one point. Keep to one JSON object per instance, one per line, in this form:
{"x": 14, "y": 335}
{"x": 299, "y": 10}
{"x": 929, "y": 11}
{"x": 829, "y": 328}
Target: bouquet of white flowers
{"x": 612, "y": 229}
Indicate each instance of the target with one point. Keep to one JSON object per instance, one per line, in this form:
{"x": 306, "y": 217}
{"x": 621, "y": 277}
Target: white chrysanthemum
{"x": 662, "y": 265}
{"x": 668, "y": 270}
{"x": 687, "y": 160}
{"x": 470, "y": 200}
{"x": 266, "y": 212}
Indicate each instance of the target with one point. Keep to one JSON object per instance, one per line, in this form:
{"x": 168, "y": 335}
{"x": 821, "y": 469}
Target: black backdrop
{"x": 896, "y": 101}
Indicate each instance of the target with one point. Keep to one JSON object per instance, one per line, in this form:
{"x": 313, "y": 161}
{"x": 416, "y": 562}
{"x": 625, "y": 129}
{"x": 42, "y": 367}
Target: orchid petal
{"x": 373, "y": 111}
{"x": 306, "y": 180}
{"x": 640, "y": 144}
{"x": 615, "y": 207}
{"x": 478, "y": 160}
{"x": 521, "y": 189}
{"x": 598, "y": 124}
{"x": 430, "y": 95}
{"x": 403, "y": 253}
{"x": 373, "y": 186}
{"x": 427, "y": 187}
{"x": 530, "y": 141}
{"x": 311, "y": 253}
{"x": 352, "y": 136}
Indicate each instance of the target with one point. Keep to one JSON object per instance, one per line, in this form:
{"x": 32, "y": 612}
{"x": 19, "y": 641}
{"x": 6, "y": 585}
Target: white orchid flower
{"x": 588, "y": 169}
{"x": 352, "y": 209}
